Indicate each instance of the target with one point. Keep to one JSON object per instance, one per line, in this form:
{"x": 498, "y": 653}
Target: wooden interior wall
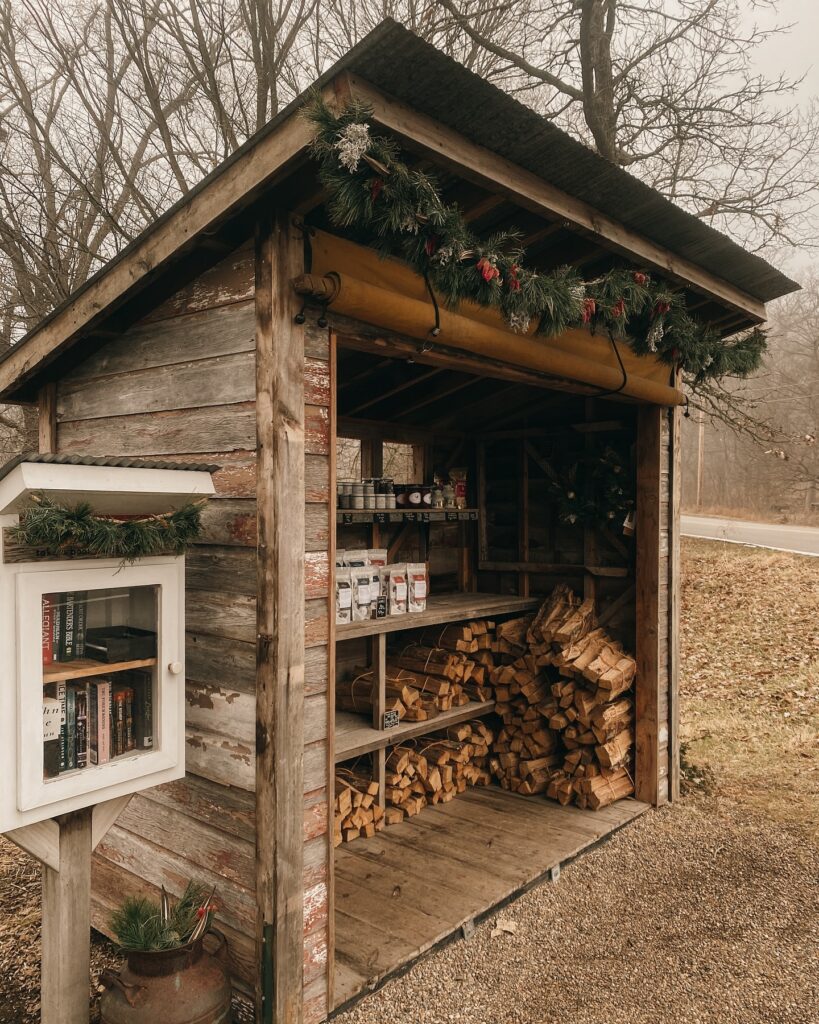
{"x": 181, "y": 384}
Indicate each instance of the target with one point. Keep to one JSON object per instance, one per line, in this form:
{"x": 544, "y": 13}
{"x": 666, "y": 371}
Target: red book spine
{"x": 48, "y": 629}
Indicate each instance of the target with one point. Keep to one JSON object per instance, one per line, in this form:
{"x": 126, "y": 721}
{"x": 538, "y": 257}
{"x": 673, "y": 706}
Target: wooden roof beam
{"x": 480, "y": 165}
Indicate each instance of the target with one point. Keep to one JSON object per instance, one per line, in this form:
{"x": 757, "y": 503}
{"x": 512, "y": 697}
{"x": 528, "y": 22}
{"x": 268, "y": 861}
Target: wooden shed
{"x": 245, "y": 329}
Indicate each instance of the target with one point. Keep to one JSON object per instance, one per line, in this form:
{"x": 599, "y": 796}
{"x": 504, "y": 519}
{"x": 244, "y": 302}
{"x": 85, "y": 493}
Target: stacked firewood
{"x": 430, "y": 770}
{"x": 357, "y": 811}
{"x": 589, "y": 704}
{"x": 526, "y": 751}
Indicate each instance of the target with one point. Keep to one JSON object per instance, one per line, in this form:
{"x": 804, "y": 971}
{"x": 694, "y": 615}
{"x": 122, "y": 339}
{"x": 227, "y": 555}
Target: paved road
{"x": 802, "y": 539}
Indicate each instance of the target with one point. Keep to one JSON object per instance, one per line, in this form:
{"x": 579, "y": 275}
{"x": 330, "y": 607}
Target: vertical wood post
{"x": 648, "y": 536}
{"x": 675, "y": 491}
{"x": 280, "y": 625}
{"x": 66, "y": 929}
{"x": 47, "y": 418}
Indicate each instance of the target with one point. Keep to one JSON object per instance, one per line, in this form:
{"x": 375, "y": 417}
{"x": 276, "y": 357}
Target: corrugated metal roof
{"x": 398, "y": 62}
{"x": 96, "y": 460}
{"x": 402, "y": 64}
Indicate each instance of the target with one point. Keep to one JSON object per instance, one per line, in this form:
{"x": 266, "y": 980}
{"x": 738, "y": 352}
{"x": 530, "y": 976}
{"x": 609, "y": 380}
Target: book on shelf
{"x": 93, "y": 721}
{"x": 65, "y": 619}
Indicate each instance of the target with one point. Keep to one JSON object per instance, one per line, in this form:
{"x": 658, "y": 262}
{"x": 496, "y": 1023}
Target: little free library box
{"x": 430, "y": 623}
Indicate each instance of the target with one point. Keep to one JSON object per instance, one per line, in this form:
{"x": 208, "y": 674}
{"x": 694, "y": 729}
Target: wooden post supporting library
{"x": 64, "y": 846}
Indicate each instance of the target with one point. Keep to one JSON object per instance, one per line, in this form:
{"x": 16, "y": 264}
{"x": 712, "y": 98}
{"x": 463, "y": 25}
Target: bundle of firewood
{"x": 416, "y": 696}
{"x": 427, "y": 771}
{"x": 357, "y": 811}
{"x": 589, "y": 704}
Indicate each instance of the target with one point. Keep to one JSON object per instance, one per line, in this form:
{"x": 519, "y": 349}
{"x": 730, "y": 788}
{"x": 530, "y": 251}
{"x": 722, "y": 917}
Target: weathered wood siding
{"x": 182, "y": 383}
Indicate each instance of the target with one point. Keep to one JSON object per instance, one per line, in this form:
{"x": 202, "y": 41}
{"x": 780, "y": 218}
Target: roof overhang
{"x": 110, "y": 490}
{"x": 198, "y": 225}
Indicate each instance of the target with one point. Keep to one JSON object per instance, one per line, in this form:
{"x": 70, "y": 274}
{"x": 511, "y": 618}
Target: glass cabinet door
{"x": 100, "y": 661}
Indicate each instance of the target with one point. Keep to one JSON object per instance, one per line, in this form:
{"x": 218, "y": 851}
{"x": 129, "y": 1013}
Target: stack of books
{"x": 92, "y": 721}
{"x": 64, "y": 625}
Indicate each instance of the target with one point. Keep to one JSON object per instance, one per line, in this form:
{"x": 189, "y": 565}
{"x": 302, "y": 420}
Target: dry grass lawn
{"x": 704, "y": 913}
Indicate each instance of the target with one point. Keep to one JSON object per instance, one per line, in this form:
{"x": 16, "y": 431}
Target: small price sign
{"x": 346, "y": 518}
{"x": 451, "y": 515}
{"x": 410, "y": 517}
{"x": 391, "y": 719}
{"x": 473, "y": 515}
{"x": 380, "y": 517}
{"x": 425, "y": 517}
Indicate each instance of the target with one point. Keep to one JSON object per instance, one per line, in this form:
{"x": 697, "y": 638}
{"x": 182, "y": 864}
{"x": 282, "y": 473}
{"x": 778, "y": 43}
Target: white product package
{"x": 344, "y": 597}
{"x": 360, "y": 576}
{"x": 417, "y": 587}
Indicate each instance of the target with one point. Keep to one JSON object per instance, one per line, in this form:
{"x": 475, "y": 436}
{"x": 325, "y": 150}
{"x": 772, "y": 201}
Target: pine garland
{"x": 140, "y": 924}
{"x": 60, "y": 530}
{"x": 372, "y": 189}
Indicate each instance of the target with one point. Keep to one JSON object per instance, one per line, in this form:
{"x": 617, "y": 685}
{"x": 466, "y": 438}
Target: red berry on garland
{"x": 640, "y": 278}
{"x": 589, "y": 309}
{"x": 618, "y": 310}
{"x": 376, "y": 185}
{"x": 487, "y": 269}
{"x": 661, "y": 308}
{"x": 431, "y": 245}
{"x": 512, "y": 278}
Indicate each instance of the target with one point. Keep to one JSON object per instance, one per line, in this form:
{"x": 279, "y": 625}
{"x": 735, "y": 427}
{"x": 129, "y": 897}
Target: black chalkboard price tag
{"x": 346, "y": 518}
{"x": 451, "y": 515}
{"x": 425, "y": 517}
{"x": 474, "y": 516}
{"x": 391, "y": 719}
{"x": 380, "y": 517}
{"x": 410, "y": 517}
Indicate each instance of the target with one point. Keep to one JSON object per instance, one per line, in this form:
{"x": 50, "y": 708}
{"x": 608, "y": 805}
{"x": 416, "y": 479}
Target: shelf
{"x": 434, "y": 515}
{"x": 80, "y": 668}
{"x": 440, "y": 609}
{"x": 355, "y": 736}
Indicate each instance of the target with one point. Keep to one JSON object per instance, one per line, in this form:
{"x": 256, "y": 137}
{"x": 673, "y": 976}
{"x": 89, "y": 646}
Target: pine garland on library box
{"x": 373, "y": 190}
{"x": 60, "y": 530}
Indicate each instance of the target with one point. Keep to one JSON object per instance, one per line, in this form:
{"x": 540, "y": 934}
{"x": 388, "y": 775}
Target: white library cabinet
{"x": 92, "y": 679}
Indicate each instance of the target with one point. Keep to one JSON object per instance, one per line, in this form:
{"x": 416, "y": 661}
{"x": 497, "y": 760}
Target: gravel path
{"x": 691, "y": 916}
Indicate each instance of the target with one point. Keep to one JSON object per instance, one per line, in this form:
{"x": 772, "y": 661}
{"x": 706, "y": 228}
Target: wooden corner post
{"x": 649, "y": 614}
{"x": 280, "y": 624}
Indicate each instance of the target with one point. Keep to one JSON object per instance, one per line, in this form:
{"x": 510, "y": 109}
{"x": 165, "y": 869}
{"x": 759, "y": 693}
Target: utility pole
{"x": 700, "y": 456}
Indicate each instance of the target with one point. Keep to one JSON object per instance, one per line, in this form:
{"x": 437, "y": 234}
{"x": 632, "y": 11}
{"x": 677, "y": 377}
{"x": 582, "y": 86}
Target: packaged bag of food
{"x": 360, "y": 576}
{"x": 397, "y": 589}
{"x": 344, "y": 597}
{"x": 355, "y": 557}
{"x": 339, "y": 558}
{"x": 458, "y": 478}
{"x": 377, "y": 560}
{"x": 417, "y": 587}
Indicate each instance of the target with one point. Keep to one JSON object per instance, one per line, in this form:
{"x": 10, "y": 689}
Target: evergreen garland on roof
{"x": 370, "y": 187}
{"x": 61, "y": 531}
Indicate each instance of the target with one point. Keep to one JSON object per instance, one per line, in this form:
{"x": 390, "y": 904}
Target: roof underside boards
{"x": 217, "y": 214}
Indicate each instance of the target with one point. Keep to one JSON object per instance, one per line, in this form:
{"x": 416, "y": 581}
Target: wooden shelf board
{"x": 441, "y": 608}
{"x": 355, "y": 736}
{"x": 425, "y": 515}
{"x": 82, "y": 667}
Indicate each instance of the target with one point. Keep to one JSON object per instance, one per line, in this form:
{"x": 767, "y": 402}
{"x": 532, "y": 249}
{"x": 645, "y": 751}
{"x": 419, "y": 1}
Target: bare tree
{"x": 761, "y": 451}
{"x": 112, "y": 109}
{"x": 667, "y": 89}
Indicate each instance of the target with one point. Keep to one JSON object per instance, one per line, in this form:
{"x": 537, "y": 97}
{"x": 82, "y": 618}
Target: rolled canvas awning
{"x": 387, "y": 293}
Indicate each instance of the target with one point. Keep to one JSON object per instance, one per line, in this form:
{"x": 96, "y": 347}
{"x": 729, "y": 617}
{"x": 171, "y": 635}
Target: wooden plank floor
{"x": 481, "y": 848}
